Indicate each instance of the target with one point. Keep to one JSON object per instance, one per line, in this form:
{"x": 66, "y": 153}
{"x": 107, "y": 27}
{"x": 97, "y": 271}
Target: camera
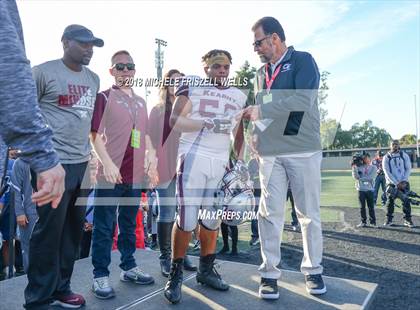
{"x": 357, "y": 160}
{"x": 406, "y": 196}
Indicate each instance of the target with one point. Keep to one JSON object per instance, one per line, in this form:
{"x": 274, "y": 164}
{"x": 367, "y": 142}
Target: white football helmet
{"x": 235, "y": 196}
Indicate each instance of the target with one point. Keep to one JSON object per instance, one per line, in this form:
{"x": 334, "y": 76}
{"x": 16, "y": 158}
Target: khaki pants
{"x": 304, "y": 175}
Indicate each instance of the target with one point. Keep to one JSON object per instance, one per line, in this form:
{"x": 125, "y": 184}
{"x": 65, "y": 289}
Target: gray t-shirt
{"x": 67, "y": 99}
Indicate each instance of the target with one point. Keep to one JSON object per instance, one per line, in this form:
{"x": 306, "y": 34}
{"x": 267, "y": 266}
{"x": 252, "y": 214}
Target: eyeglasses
{"x": 258, "y": 43}
{"x": 121, "y": 66}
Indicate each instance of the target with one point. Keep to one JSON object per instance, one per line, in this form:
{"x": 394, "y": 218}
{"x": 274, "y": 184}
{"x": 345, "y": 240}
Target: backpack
{"x": 390, "y": 157}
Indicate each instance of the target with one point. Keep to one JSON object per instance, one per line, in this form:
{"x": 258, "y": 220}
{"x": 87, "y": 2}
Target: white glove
{"x": 218, "y": 125}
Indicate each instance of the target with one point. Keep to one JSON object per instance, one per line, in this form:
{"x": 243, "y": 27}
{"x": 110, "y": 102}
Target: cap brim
{"x": 95, "y": 41}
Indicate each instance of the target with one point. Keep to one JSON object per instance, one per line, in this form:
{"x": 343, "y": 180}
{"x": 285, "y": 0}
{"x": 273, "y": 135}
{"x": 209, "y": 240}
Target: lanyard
{"x": 133, "y": 116}
{"x": 269, "y": 81}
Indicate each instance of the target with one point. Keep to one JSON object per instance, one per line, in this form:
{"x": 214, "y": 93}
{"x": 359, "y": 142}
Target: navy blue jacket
{"x": 292, "y": 115}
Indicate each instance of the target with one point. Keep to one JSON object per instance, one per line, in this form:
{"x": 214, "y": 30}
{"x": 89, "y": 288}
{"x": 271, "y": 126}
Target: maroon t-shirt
{"x": 115, "y": 115}
{"x": 165, "y": 140}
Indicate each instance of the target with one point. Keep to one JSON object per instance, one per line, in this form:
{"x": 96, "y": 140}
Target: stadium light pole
{"x": 159, "y": 56}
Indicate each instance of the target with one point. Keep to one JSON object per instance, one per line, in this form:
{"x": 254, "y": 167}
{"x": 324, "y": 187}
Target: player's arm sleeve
{"x": 17, "y": 179}
{"x": 305, "y": 92}
{"x": 22, "y": 125}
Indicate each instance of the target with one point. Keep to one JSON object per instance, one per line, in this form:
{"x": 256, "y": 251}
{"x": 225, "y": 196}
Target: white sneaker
{"x": 102, "y": 289}
{"x": 137, "y": 276}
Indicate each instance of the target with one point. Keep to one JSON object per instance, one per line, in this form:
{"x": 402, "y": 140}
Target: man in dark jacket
{"x": 287, "y": 135}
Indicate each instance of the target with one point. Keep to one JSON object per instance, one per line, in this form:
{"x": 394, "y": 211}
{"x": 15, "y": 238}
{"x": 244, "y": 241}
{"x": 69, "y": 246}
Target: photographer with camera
{"x": 380, "y": 178}
{"x": 364, "y": 173}
{"x": 397, "y": 169}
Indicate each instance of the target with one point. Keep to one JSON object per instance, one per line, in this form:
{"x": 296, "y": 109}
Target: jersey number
{"x": 204, "y": 103}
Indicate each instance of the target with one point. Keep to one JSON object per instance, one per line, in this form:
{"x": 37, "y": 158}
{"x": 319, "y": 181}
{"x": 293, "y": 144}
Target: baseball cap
{"x": 81, "y": 34}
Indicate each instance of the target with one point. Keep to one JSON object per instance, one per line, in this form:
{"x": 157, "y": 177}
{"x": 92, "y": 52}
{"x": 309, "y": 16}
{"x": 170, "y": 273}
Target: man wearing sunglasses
{"x": 287, "y": 138}
{"x": 127, "y": 157}
{"x": 66, "y": 91}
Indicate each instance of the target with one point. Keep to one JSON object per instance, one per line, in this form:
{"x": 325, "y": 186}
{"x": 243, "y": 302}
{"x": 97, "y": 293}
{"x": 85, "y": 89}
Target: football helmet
{"x": 235, "y": 196}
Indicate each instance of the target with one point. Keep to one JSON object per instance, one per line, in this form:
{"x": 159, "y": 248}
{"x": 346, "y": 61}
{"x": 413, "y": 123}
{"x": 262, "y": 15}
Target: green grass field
{"x": 338, "y": 189}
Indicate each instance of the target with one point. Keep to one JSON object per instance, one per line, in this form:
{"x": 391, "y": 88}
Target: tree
{"x": 367, "y": 135}
{"x": 323, "y": 95}
{"x": 408, "y": 139}
{"x": 343, "y": 139}
{"x": 328, "y": 133}
{"x": 247, "y": 73}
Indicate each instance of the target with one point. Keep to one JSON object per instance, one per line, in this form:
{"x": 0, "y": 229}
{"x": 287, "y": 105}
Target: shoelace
{"x": 138, "y": 271}
{"x": 173, "y": 274}
{"x": 312, "y": 278}
{"x": 215, "y": 267}
{"x": 269, "y": 282}
{"x": 103, "y": 282}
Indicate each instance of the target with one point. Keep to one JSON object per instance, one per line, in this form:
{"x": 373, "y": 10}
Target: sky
{"x": 370, "y": 48}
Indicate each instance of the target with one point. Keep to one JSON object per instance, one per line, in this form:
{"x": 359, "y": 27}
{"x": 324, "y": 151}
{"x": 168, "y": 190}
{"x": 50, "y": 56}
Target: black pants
{"x": 225, "y": 234}
{"x": 390, "y": 205}
{"x": 254, "y": 222}
{"x": 54, "y": 243}
{"x": 366, "y": 197}
{"x": 292, "y": 203}
{"x": 85, "y": 244}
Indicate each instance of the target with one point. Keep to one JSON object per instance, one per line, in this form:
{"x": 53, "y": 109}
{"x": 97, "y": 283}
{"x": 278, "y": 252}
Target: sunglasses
{"x": 121, "y": 66}
{"x": 258, "y": 43}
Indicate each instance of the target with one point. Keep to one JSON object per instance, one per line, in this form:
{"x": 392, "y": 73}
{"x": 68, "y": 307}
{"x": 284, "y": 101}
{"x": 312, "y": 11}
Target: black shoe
{"x": 207, "y": 274}
{"x": 188, "y": 265}
{"x": 164, "y": 239}
{"x": 164, "y": 231}
{"x": 165, "y": 266}
{"x": 224, "y": 250}
{"x": 154, "y": 245}
{"x": 408, "y": 223}
{"x": 388, "y": 223}
{"x": 315, "y": 285}
{"x": 361, "y": 225}
{"x": 268, "y": 289}
{"x": 234, "y": 252}
{"x": 254, "y": 241}
{"x": 196, "y": 246}
{"x": 19, "y": 271}
{"x": 296, "y": 227}
{"x": 173, "y": 287}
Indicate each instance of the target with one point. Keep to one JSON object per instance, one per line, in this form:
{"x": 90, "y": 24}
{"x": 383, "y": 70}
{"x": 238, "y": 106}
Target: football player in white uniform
{"x": 206, "y": 117}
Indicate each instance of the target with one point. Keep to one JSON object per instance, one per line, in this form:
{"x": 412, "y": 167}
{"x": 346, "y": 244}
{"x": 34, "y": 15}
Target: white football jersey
{"x": 210, "y": 102}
